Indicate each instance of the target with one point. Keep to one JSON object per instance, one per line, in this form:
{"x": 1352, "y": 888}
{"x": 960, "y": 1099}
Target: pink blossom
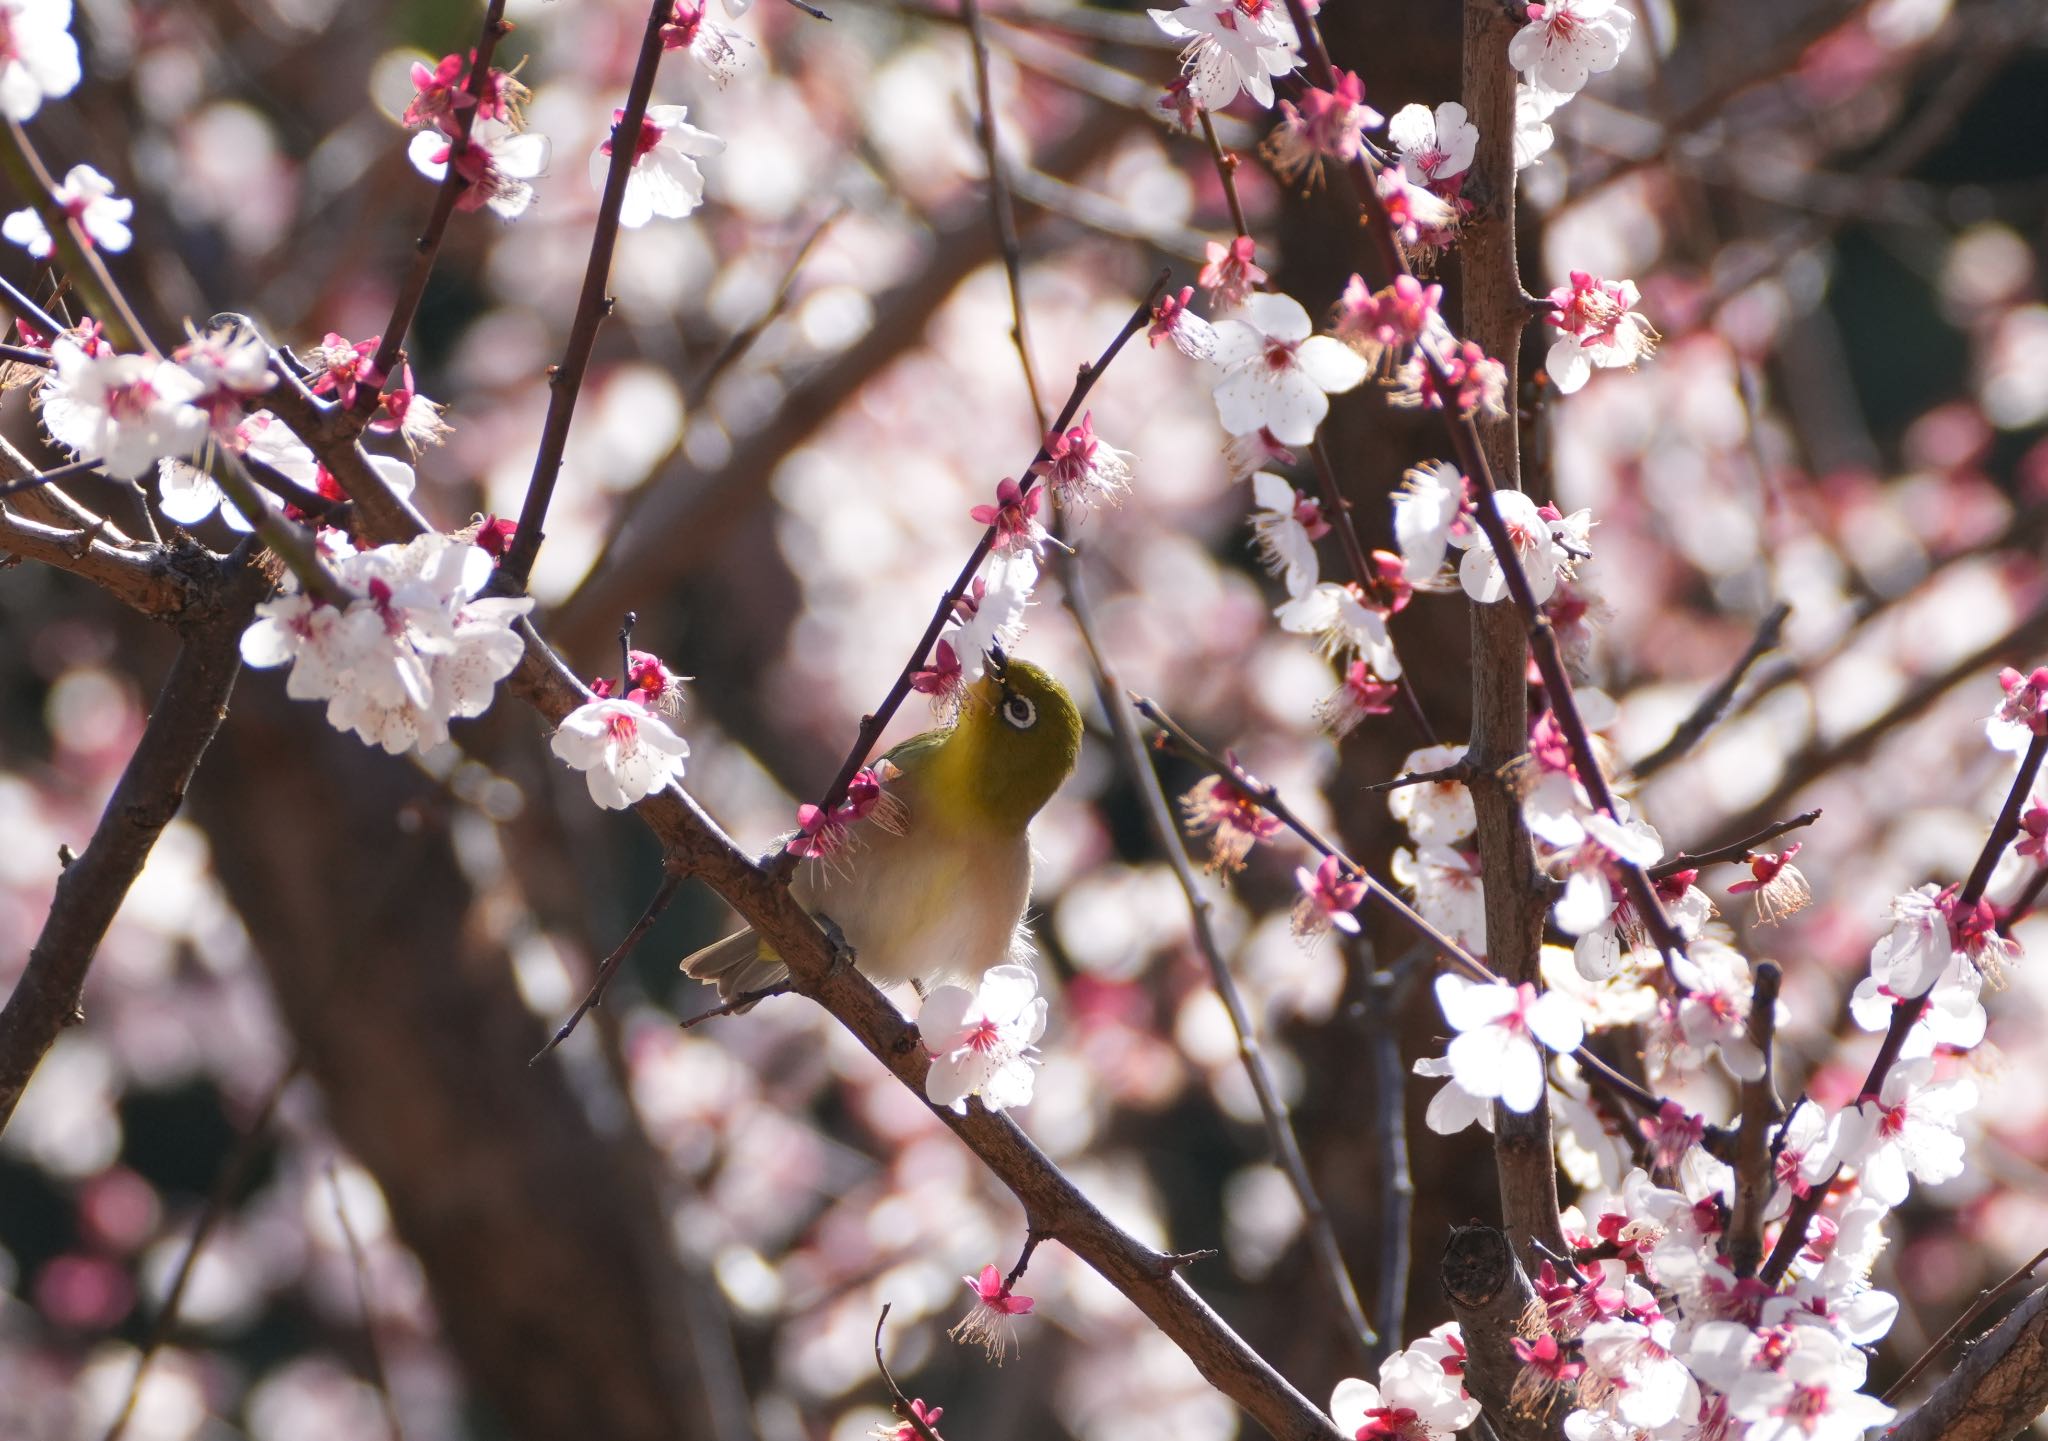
{"x": 498, "y": 162}
{"x": 1472, "y": 381}
{"x": 1013, "y": 515}
{"x": 1232, "y": 273}
{"x": 1081, "y": 469}
{"x": 1360, "y": 694}
{"x": 1191, "y": 335}
{"x": 1234, "y": 823}
{"x": 989, "y": 1324}
{"x": 1780, "y": 889}
{"x": 2023, "y": 714}
{"x": 1286, "y": 526}
{"x": 664, "y": 180}
{"x": 625, "y": 751}
{"x": 1323, "y": 125}
{"x": 1329, "y": 894}
{"x": 1385, "y": 325}
{"x": 1602, "y": 329}
{"x": 721, "y": 51}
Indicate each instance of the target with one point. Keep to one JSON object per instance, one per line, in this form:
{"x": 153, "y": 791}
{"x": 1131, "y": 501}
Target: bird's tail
{"x": 737, "y": 965}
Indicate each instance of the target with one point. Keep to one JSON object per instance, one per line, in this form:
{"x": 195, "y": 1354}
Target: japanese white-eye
{"x": 931, "y": 884}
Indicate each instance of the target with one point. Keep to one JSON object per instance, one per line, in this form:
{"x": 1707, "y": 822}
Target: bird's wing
{"x": 738, "y": 964}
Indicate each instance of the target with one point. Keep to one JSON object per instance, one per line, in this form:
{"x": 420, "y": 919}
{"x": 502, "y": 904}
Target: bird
{"x": 930, "y": 885}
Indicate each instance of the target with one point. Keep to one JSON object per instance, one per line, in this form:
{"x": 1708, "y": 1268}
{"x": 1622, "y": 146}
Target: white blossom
{"x": 1278, "y": 374}
{"x": 1233, "y": 45}
{"x": 981, "y": 1041}
{"x": 664, "y": 180}
{"x": 38, "y": 57}
{"x": 625, "y": 751}
{"x": 87, "y": 197}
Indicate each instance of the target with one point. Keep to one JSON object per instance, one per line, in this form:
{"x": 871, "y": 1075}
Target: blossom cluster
{"x": 413, "y": 646}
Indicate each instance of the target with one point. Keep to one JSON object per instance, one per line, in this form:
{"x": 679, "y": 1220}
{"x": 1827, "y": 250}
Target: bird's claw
{"x": 843, "y": 953}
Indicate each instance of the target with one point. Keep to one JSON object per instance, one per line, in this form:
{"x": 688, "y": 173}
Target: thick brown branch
{"x": 147, "y": 579}
{"x": 1996, "y": 1390}
{"x": 1753, "y": 1178}
{"x": 91, "y": 889}
{"x": 1490, "y": 1294}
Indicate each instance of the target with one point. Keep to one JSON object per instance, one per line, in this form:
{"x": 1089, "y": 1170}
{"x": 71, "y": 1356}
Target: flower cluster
{"x": 1601, "y": 329}
{"x": 500, "y": 158}
{"x": 39, "y": 60}
{"x": 85, "y": 196}
{"x": 413, "y": 646}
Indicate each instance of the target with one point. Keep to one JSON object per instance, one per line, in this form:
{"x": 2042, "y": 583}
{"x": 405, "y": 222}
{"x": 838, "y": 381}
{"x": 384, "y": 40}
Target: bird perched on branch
{"x": 930, "y": 882}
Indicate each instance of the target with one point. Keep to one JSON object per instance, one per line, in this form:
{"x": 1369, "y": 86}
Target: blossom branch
{"x": 1460, "y": 771}
{"x": 873, "y": 724}
{"x": 1753, "y": 1178}
{"x": 565, "y": 381}
{"x": 427, "y": 248}
{"x": 1267, "y": 797}
{"x": 1280, "y": 1135}
{"x": 82, "y": 262}
{"x": 1734, "y": 850}
{"x": 1715, "y": 702}
{"x": 47, "y": 323}
{"x": 92, "y": 886}
{"x": 1226, "y": 173}
{"x": 1907, "y": 1010}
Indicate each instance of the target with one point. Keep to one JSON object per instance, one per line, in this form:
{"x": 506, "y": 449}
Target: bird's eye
{"x": 1020, "y": 712}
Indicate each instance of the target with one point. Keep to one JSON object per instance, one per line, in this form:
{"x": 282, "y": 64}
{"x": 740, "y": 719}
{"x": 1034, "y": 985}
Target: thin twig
{"x": 905, "y": 1409}
{"x": 1383, "y": 992}
{"x": 1226, "y": 173}
{"x": 1002, "y": 215}
{"x": 51, "y": 476}
{"x": 565, "y": 382}
{"x": 359, "y": 1264}
{"x": 741, "y": 341}
{"x": 1460, "y": 771}
{"x": 1735, "y": 850}
{"x": 671, "y": 881}
{"x": 49, "y": 324}
{"x": 872, "y": 725}
{"x": 233, "y": 1175}
{"x": 743, "y": 1001}
{"x": 1744, "y": 1246}
{"x": 1268, "y": 798}
{"x": 1031, "y": 1239}
{"x": 1986, "y": 1299}
{"x": 1166, "y": 837}
{"x": 24, "y": 355}
{"x": 426, "y": 249}
{"x": 1714, "y": 703}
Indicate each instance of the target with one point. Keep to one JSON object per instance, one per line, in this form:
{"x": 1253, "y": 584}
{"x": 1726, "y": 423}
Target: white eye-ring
{"x": 1020, "y": 712}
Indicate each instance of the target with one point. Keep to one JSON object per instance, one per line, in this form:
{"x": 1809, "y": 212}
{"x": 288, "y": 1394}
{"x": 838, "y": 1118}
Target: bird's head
{"x": 1017, "y": 739}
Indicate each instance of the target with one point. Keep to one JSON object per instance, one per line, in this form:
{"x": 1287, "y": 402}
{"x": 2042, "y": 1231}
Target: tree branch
{"x": 1695, "y": 726}
{"x": 1996, "y": 1390}
{"x": 91, "y": 888}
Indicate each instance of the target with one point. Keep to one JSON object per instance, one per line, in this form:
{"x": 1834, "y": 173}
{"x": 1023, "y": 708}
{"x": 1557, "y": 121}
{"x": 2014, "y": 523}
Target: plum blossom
{"x": 1287, "y": 524}
{"x": 2023, "y": 714}
{"x": 1433, "y": 811}
{"x": 1421, "y": 221}
{"x": 990, "y": 615}
{"x": 38, "y": 57}
{"x": 1601, "y": 330}
{"x": 721, "y": 50}
{"x": 1536, "y": 547}
{"x": 1632, "y": 1363}
{"x": 1907, "y": 1130}
{"x": 981, "y": 1041}
{"x": 1594, "y": 907}
{"x": 1233, "y": 821}
{"x": 1013, "y": 515}
{"x": 1713, "y": 1009}
{"x": 1082, "y": 469}
{"x": 1472, "y": 380}
{"x": 1436, "y": 146}
{"x": 988, "y": 1323}
{"x": 1568, "y": 42}
{"x": 1385, "y": 325}
{"x": 414, "y": 646}
{"x": 1278, "y": 374}
{"x": 1780, "y": 889}
{"x": 441, "y": 94}
{"x": 1798, "y": 1383}
{"x": 1359, "y": 695}
{"x": 625, "y": 751}
{"x": 1445, "y": 883}
{"x": 1428, "y": 510}
{"x": 87, "y": 197}
{"x": 1324, "y": 125}
{"x": 1418, "y": 1398}
{"x": 1344, "y": 625}
{"x": 498, "y": 162}
{"x": 1233, "y": 46}
{"x": 1533, "y": 137}
{"x": 1172, "y": 321}
{"x": 1953, "y": 1015}
{"x": 1496, "y": 1054}
{"x": 1329, "y": 894}
{"x": 125, "y": 411}
{"x": 1909, "y": 957}
{"x": 664, "y": 180}
{"x": 1232, "y": 272}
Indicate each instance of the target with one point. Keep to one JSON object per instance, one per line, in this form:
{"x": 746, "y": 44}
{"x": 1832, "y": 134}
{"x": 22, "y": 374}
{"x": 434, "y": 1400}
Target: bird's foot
{"x": 843, "y": 953}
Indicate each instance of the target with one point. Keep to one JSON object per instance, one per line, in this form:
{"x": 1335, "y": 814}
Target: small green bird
{"x": 931, "y": 884}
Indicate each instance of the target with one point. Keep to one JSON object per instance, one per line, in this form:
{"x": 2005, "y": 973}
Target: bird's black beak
{"x": 998, "y": 664}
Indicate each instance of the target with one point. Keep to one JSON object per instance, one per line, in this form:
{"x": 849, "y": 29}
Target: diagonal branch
{"x": 1997, "y": 1389}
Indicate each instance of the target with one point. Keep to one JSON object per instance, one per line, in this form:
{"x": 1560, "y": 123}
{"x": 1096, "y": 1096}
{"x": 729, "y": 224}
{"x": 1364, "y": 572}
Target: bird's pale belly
{"x": 923, "y": 907}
